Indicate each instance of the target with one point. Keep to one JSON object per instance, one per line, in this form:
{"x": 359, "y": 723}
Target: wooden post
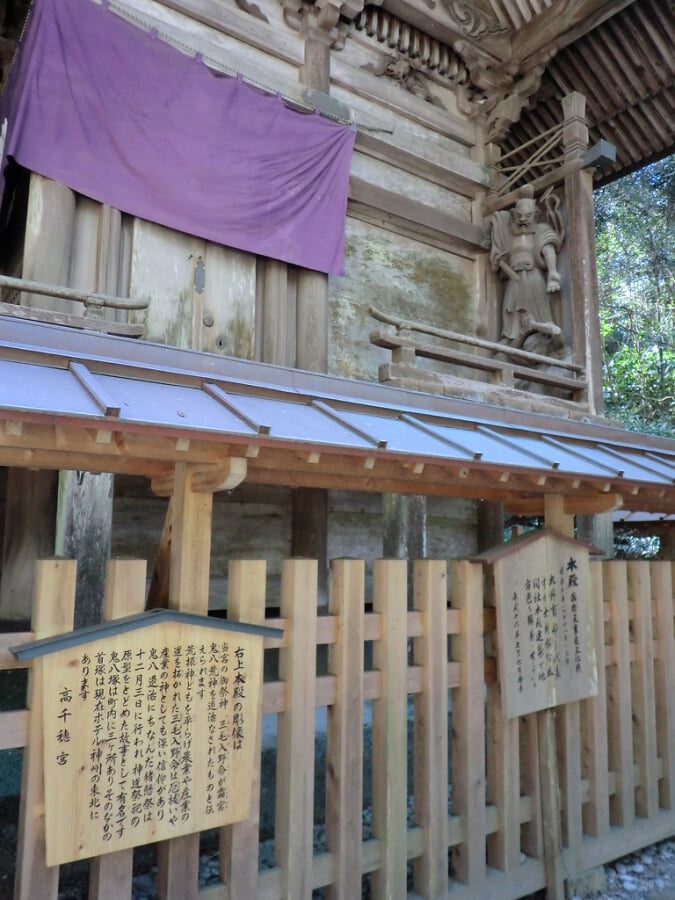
{"x": 294, "y": 830}
{"x": 556, "y": 519}
{"x": 468, "y": 725}
{"x": 503, "y": 783}
{"x": 239, "y": 842}
{"x": 662, "y": 592}
{"x": 53, "y": 607}
{"x": 642, "y": 690}
{"x": 28, "y": 535}
{"x": 178, "y": 859}
{"x": 581, "y": 243}
{"x": 344, "y": 737}
{"x": 110, "y": 875}
{"x": 390, "y": 721}
{"x": 31, "y": 496}
{"x": 83, "y": 532}
{"x": 430, "y": 768}
{"x": 595, "y": 763}
{"x": 404, "y": 530}
{"x": 619, "y": 706}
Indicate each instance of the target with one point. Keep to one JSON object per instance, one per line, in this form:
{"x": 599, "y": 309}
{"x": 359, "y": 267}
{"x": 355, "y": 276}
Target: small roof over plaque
{"x": 48, "y": 645}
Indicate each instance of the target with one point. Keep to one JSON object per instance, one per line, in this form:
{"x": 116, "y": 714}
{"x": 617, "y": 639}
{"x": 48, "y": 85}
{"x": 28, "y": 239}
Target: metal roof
{"x": 76, "y": 400}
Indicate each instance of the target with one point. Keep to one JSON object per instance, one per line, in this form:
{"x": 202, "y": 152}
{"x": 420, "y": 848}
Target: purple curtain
{"x": 122, "y": 117}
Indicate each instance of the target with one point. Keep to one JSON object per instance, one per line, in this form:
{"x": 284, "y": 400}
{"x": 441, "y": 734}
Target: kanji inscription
{"x": 149, "y": 735}
{"x": 545, "y": 625}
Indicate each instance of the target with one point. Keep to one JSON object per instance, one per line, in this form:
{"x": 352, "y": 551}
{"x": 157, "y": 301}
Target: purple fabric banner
{"x": 122, "y": 117}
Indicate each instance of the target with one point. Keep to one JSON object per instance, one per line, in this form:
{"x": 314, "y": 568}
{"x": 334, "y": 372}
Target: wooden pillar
{"x": 31, "y": 496}
{"x": 85, "y": 501}
{"x": 83, "y": 532}
{"x": 557, "y": 520}
{"x": 597, "y": 530}
{"x": 581, "y": 244}
{"x": 404, "y": 530}
{"x": 49, "y": 239}
{"x": 310, "y": 505}
{"x": 178, "y": 859}
{"x": 490, "y": 524}
{"x": 28, "y": 535}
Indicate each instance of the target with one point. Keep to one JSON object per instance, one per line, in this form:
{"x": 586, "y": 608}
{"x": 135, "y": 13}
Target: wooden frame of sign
{"x": 149, "y": 731}
{"x": 545, "y": 627}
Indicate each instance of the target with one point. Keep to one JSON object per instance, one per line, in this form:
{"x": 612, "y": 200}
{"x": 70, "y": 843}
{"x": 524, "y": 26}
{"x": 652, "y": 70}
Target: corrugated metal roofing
{"x": 47, "y": 378}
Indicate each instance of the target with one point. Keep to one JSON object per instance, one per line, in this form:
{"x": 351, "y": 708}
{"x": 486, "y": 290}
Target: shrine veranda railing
{"x": 476, "y": 834}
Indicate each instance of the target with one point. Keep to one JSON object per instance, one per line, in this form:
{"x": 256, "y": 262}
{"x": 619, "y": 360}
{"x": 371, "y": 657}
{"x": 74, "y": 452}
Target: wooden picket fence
{"x": 478, "y": 837}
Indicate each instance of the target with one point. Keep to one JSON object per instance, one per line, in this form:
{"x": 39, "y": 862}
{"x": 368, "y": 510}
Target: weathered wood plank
{"x": 468, "y": 723}
{"x": 430, "y": 746}
{"x": 390, "y": 715}
{"x": 344, "y": 735}
{"x": 295, "y": 731}
{"x": 238, "y": 858}
{"x": 13, "y": 728}
{"x": 53, "y": 609}
{"x": 110, "y": 875}
{"x": 662, "y": 594}
{"x": 643, "y": 691}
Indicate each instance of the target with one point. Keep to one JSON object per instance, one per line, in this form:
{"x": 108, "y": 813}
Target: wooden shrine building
{"x": 298, "y": 300}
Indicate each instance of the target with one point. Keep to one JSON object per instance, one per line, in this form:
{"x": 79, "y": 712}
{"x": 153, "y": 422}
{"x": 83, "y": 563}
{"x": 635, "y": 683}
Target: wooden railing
{"x": 503, "y": 365}
{"x": 94, "y": 306}
{"x": 477, "y": 832}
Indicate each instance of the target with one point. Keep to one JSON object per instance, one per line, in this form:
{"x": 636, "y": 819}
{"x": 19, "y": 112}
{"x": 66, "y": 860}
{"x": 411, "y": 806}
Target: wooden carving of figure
{"x": 525, "y": 251}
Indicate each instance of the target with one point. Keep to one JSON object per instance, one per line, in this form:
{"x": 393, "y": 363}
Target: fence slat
{"x": 642, "y": 687}
{"x": 295, "y": 731}
{"x": 531, "y": 832}
{"x": 178, "y": 859}
{"x": 53, "y": 608}
{"x": 344, "y": 735}
{"x": 110, "y": 875}
{"x": 594, "y": 760}
{"x": 503, "y": 783}
{"x": 468, "y": 723}
{"x": 238, "y": 858}
{"x": 619, "y": 710}
{"x": 390, "y": 718}
{"x": 569, "y": 768}
{"x": 430, "y": 765}
{"x": 662, "y": 593}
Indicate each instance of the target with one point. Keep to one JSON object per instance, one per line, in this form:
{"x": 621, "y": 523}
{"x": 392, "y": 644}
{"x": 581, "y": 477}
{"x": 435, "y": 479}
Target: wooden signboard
{"x": 544, "y": 623}
{"x": 149, "y": 734}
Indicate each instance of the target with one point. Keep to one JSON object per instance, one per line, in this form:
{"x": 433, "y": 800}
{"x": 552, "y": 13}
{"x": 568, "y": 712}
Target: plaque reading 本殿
{"x": 148, "y": 735}
{"x": 545, "y": 627}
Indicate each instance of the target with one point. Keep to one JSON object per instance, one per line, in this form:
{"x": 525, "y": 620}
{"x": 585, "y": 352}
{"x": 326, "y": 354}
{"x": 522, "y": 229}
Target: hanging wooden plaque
{"x": 148, "y": 735}
{"x": 544, "y": 623}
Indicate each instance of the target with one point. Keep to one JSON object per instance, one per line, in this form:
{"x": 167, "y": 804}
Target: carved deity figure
{"x": 525, "y": 251}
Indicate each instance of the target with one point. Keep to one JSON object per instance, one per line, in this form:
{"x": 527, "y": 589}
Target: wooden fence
{"x": 477, "y": 834}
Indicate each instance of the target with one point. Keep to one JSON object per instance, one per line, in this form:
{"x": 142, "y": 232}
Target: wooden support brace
{"x": 206, "y": 479}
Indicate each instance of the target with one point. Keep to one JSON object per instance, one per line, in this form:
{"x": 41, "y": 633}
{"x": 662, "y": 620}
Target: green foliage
{"x": 635, "y": 236}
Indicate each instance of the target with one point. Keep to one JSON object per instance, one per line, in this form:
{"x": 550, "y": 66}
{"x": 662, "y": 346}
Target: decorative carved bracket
{"x": 407, "y": 73}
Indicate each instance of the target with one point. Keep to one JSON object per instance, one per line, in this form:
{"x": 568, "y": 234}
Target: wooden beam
{"x": 560, "y": 25}
{"x": 419, "y": 215}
